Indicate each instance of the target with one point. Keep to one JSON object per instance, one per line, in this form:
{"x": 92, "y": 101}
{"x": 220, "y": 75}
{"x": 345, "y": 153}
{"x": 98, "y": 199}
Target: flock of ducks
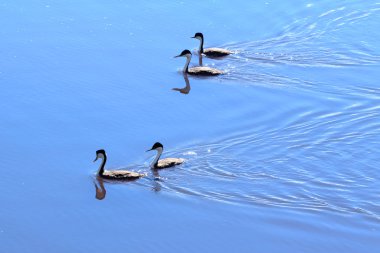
{"x": 158, "y": 163}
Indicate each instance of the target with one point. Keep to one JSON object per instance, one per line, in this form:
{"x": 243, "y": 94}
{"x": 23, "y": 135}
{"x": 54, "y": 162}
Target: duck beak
{"x": 149, "y": 150}
{"x": 177, "y": 56}
{"x": 96, "y": 159}
{"x": 192, "y": 37}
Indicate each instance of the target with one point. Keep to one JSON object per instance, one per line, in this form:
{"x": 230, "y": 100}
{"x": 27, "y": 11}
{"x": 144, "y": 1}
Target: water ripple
{"x": 316, "y": 41}
{"x": 288, "y": 167}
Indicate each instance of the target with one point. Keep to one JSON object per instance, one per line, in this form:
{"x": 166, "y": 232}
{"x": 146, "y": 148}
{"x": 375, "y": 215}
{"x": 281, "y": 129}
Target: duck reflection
{"x": 100, "y": 190}
{"x": 186, "y": 89}
{"x": 156, "y": 180}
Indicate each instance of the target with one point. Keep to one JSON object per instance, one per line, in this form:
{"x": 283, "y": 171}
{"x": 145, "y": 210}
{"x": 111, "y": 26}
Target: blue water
{"x": 281, "y": 151}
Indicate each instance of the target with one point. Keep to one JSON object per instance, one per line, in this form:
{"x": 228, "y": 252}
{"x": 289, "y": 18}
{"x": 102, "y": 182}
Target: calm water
{"x": 282, "y": 152}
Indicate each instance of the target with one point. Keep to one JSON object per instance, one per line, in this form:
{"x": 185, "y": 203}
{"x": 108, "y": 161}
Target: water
{"x": 281, "y": 152}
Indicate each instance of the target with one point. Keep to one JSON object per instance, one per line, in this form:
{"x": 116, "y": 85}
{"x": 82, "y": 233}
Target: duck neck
{"x": 101, "y": 167}
{"x": 201, "y": 46}
{"x": 186, "y": 67}
{"x": 155, "y": 161}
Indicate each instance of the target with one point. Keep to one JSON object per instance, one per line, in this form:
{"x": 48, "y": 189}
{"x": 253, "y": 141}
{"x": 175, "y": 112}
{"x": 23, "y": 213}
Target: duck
{"x": 200, "y": 71}
{"x": 211, "y": 52}
{"x": 114, "y": 174}
{"x": 163, "y": 163}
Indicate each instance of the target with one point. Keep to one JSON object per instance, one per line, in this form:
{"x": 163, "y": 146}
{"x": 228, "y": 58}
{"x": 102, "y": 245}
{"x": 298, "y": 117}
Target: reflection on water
{"x": 157, "y": 180}
{"x": 100, "y": 190}
{"x": 282, "y": 148}
{"x": 151, "y": 181}
{"x": 186, "y": 89}
{"x": 155, "y": 173}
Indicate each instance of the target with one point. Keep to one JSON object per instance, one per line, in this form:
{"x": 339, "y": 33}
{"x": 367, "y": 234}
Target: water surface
{"x": 281, "y": 151}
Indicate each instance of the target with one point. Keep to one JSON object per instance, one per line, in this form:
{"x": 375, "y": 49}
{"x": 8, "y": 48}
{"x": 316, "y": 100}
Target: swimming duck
{"x": 114, "y": 174}
{"x": 163, "y": 163}
{"x": 200, "y": 71}
{"x": 211, "y": 52}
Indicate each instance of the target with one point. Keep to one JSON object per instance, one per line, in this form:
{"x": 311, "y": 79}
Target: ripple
{"x": 322, "y": 40}
{"x": 288, "y": 167}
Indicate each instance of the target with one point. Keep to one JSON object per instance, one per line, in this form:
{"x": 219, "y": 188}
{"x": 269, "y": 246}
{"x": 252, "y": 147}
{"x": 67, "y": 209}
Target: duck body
{"x": 216, "y": 52}
{"x": 158, "y": 163}
{"x": 204, "y": 71}
{"x": 168, "y": 162}
{"x": 212, "y": 51}
{"x": 114, "y": 174}
{"x": 120, "y": 174}
{"x": 200, "y": 71}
